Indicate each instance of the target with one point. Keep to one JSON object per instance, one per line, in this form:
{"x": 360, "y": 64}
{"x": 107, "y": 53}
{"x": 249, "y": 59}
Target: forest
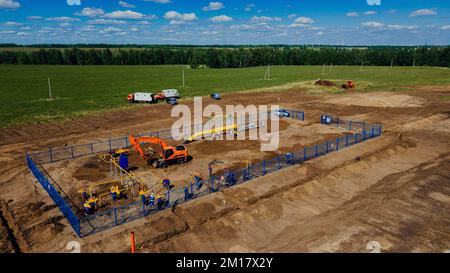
{"x": 231, "y": 57}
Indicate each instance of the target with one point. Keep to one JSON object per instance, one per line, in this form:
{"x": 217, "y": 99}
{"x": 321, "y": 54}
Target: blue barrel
{"x": 123, "y": 161}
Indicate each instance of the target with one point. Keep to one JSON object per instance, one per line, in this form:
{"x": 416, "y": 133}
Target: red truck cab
{"x": 130, "y": 98}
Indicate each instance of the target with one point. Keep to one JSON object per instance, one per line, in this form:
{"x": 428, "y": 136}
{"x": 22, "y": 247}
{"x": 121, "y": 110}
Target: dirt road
{"x": 396, "y": 197}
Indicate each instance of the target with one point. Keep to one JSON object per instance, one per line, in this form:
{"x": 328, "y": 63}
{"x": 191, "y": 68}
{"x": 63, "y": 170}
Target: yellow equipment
{"x": 211, "y": 132}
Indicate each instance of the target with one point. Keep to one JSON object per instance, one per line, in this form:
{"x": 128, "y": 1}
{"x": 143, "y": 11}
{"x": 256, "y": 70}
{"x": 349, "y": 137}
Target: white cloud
{"x": 213, "y": 6}
{"x": 158, "y": 1}
{"x": 221, "y": 18}
{"x": 352, "y": 14}
{"x": 124, "y": 14}
{"x": 264, "y": 19}
{"x": 62, "y": 19}
{"x": 31, "y": 18}
{"x": 206, "y": 32}
{"x": 320, "y": 33}
{"x": 73, "y": 2}
{"x": 304, "y": 20}
{"x": 112, "y": 29}
{"x": 90, "y": 12}
{"x": 249, "y": 7}
{"x": 372, "y": 24}
{"x": 9, "y": 4}
{"x": 177, "y": 18}
{"x": 370, "y": 12}
{"x": 7, "y": 32}
{"x": 423, "y": 12}
{"x": 126, "y": 5}
{"x": 242, "y": 27}
{"x": 13, "y": 24}
{"x": 293, "y": 15}
{"x": 400, "y": 27}
{"x": 446, "y": 27}
{"x": 106, "y": 22}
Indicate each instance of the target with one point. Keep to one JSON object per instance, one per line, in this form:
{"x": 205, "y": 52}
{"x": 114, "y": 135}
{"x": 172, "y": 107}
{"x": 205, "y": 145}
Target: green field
{"x": 80, "y": 90}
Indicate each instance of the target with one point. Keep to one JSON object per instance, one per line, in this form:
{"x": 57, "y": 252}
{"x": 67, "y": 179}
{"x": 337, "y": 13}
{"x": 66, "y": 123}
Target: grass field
{"x": 80, "y": 90}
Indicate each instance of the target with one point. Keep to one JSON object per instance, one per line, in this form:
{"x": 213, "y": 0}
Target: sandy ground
{"x": 397, "y": 194}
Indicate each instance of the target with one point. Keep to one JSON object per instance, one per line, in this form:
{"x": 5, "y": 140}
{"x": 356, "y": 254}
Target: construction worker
{"x": 159, "y": 202}
{"x": 88, "y": 208}
{"x": 198, "y": 181}
{"x": 92, "y": 201}
{"x": 166, "y": 183}
{"x": 114, "y": 193}
{"x": 187, "y": 195}
{"x": 84, "y": 194}
{"x": 142, "y": 195}
{"x": 151, "y": 200}
{"x": 210, "y": 170}
{"x": 289, "y": 158}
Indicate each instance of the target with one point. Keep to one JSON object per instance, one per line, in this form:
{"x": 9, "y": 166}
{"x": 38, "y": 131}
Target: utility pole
{"x": 50, "y": 89}
{"x": 183, "y": 77}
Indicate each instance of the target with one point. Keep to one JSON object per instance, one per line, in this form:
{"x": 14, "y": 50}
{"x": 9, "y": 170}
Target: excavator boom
{"x": 136, "y": 142}
{"x": 168, "y": 155}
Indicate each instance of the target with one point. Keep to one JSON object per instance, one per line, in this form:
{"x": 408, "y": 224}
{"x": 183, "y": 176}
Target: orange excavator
{"x": 168, "y": 155}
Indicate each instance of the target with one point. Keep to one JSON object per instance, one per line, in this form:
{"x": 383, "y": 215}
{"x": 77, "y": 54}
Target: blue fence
{"x": 120, "y": 215}
{"x": 84, "y": 225}
{"x": 106, "y": 146}
{"x": 55, "y": 195}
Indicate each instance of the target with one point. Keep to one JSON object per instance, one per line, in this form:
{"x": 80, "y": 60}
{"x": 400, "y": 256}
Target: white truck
{"x": 140, "y": 97}
{"x": 170, "y": 93}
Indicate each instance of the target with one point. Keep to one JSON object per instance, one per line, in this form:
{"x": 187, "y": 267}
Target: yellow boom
{"x": 220, "y": 130}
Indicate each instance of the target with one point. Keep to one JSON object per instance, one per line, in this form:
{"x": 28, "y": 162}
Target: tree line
{"x": 233, "y": 57}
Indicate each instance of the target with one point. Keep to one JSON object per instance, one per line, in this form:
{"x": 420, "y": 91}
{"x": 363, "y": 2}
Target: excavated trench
{"x": 9, "y": 243}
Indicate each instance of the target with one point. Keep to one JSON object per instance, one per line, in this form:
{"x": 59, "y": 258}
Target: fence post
{"x": 317, "y": 151}
{"x": 126, "y": 141}
{"x": 115, "y": 216}
{"x": 279, "y": 162}
{"x": 305, "y": 157}
{"x": 110, "y": 148}
{"x": 168, "y": 197}
{"x": 364, "y": 135}
{"x": 350, "y": 125}
{"x": 303, "y": 116}
{"x": 346, "y": 140}
{"x": 371, "y": 132}
{"x": 71, "y": 149}
{"x": 337, "y": 144}
{"x": 337, "y": 123}
{"x": 50, "y": 153}
{"x": 92, "y": 148}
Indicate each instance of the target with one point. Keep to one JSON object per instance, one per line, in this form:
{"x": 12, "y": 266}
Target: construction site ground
{"x": 395, "y": 194}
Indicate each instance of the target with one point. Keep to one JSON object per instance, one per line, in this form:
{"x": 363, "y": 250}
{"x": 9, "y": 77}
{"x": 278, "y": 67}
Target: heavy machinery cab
{"x": 168, "y": 155}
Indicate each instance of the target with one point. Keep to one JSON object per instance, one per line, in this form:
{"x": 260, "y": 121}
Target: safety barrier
{"x": 106, "y": 146}
{"x": 55, "y": 195}
{"x": 193, "y": 190}
{"x": 84, "y": 225}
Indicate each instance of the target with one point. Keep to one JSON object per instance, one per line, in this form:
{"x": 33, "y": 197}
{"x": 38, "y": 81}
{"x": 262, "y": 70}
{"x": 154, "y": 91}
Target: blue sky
{"x": 348, "y": 22}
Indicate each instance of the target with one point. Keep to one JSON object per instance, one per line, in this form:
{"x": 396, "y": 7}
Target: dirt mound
{"x": 93, "y": 170}
{"x": 163, "y": 224}
{"x": 324, "y": 83}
